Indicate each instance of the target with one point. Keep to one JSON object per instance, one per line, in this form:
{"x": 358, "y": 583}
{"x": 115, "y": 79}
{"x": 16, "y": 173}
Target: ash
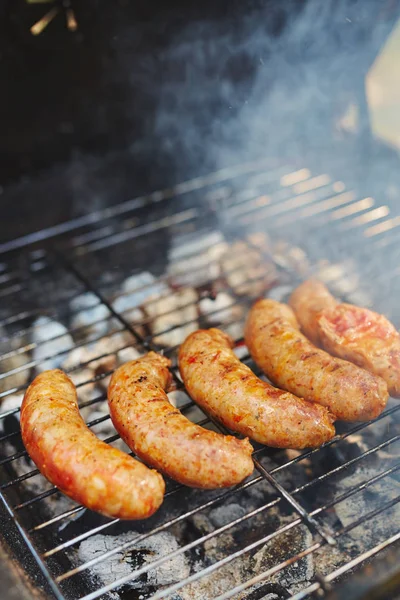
{"x": 215, "y": 549}
{"x": 143, "y": 554}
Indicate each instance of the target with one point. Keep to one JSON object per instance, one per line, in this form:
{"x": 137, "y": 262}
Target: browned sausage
{"x": 357, "y": 334}
{"x": 234, "y": 395}
{"x": 292, "y": 362}
{"x": 84, "y": 468}
{"x": 163, "y": 437}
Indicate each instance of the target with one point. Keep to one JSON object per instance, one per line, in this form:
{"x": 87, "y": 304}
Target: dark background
{"x": 146, "y": 94}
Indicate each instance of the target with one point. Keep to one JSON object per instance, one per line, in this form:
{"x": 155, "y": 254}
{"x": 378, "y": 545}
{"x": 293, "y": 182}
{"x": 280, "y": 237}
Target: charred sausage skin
{"x": 291, "y": 361}
{"x": 166, "y": 439}
{"x": 357, "y": 334}
{"x": 234, "y": 395}
{"x": 72, "y": 458}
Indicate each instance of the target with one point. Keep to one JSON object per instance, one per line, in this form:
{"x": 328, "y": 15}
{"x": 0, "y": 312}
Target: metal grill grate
{"x": 140, "y": 276}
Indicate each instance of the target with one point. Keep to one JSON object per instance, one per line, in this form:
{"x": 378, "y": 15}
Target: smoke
{"x": 273, "y": 81}
{"x": 160, "y": 101}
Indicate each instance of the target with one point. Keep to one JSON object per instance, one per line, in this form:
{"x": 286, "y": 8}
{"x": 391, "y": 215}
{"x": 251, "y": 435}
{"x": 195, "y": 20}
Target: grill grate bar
{"x": 358, "y": 488}
{"x": 283, "y": 200}
{"x": 34, "y": 345}
{"x": 349, "y": 566}
{"x": 62, "y": 314}
{"x": 289, "y": 202}
{"x": 354, "y": 460}
{"x": 351, "y": 210}
{"x": 370, "y": 515}
{"x": 140, "y": 230}
{"x": 22, "y": 453}
{"x": 64, "y": 515}
{"x": 262, "y": 576}
{"x": 363, "y": 557}
{"x": 368, "y": 217}
{"x": 79, "y": 538}
{"x": 19, "y": 479}
{"x": 308, "y": 590}
{"x": 382, "y": 227}
{"x": 311, "y": 523}
{"x": 12, "y": 289}
{"x": 17, "y": 317}
{"x": 7, "y": 436}
{"x": 309, "y": 201}
{"x": 34, "y": 363}
{"x": 9, "y": 459}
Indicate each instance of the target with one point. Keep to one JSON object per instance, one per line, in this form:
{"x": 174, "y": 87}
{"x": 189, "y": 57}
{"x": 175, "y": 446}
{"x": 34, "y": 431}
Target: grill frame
{"x": 64, "y": 245}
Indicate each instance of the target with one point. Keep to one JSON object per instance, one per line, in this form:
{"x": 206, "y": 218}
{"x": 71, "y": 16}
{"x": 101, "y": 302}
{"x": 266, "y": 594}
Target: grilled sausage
{"x": 84, "y": 468}
{"x": 163, "y": 437}
{"x": 289, "y": 359}
{"x": 357, "y": 334}
{"x": 233, "y": 394}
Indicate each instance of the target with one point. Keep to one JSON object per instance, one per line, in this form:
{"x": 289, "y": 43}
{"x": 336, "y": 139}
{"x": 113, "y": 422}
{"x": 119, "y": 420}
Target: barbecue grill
{"x": 108, "y": 286}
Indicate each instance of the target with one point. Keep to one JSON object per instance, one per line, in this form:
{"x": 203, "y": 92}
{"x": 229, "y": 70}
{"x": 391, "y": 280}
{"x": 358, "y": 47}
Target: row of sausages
{"x": 319, "y": 389}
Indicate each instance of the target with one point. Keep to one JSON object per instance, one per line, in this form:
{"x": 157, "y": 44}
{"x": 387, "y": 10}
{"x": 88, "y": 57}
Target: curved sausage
{"x": 357, "y": 334}
{"x": 83, "y": 467}
{"x": 234, "y": 395}
{"x": 288, "y": 358}
{"x": 163, "y": 437}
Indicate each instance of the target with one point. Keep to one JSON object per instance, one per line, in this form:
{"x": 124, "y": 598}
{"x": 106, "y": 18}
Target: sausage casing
{"x": 166, "y": 439}
{"x": 357, "y": 334}
{"x": 71, "y": 457}
{"x": 233, "y": 394}
{"x": 291, "y": 361}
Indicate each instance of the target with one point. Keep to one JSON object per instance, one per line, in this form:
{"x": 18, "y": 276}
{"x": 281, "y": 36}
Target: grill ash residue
{"x": 347, "y": 512}
{"x": 123, "y": 563}
{"x": 213, "y": 550}
{"x": 251, "y": 563}
{"x": 296, "y": 576}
